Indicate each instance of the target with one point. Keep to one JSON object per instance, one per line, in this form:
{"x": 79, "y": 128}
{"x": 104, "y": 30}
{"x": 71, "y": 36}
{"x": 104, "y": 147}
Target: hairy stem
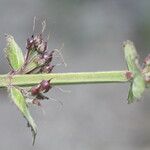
{"x": 64, "y": 78}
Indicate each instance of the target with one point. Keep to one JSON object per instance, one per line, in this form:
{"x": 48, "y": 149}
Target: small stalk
{"x": 65, "y": 78}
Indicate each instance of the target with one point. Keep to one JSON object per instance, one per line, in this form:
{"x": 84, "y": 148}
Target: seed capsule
{"x": 38, "y": 40}
{"x": 48, "y": 56}
{"x": 37, "y": 43}
{"x": 42, "y": 47}
{"x": 35, "y": 90}
{"x": 45, "y": 86}
{"x": 30, "y": 42}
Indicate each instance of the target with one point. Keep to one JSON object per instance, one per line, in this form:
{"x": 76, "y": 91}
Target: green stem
{"x": 64, "y": 78}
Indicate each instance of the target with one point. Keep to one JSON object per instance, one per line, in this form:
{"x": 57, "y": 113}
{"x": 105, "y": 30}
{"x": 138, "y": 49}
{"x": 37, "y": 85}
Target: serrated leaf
{"x": 137, "y": 86}
{"x": 20, "y": 102}
{"x": 14, "y": 53}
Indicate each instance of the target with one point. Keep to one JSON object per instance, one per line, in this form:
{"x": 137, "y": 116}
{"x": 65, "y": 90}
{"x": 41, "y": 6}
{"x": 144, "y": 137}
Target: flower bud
{"x": 38, "y": 40}
{"x": 42, "y": 47}
{"x": 30, "y": 43}
{"x": 45, "y": 86}
{"x": 48, "y": 56}
{"x": 35, "y": 90}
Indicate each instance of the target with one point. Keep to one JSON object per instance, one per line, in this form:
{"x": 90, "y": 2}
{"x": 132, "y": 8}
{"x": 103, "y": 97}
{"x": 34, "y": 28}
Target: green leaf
{"x": 130, "y": 95}
{"x": 131, "y": 57}
{"x": 20, "y": 102}
{"x": 137, "y": 86}
{"x": 136, "y": 90}
{"x": 14, "y": 53}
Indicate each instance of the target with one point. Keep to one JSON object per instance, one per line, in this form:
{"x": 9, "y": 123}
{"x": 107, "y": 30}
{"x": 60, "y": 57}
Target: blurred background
{"x": 92, "y": 117}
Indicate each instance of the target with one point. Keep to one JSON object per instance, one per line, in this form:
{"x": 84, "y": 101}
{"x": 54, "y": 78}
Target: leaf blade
{"x": 137, "y": 86}
{"x": 20, "y": 102}
{"x": 14, "y": 53}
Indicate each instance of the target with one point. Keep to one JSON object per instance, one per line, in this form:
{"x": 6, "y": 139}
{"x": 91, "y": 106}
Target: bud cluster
{"x": 38, "y": 59}
{"x": 37, "y": 91}
{"x": 37, "y": 43}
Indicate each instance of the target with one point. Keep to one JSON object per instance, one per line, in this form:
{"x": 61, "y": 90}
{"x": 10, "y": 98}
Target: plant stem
{"x": 64, "y": 78}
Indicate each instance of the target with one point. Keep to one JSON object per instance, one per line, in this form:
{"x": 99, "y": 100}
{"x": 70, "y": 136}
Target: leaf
{"x": 20, "y": 102}
{"x": 137, "y": 86}
{"x": 136, "y": 90}
{"x": 14, "y": 53}
{"x": 130, "y": 95}
{"x": 131, "y": 56}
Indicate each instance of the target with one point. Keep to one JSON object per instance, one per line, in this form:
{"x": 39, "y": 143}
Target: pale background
{"x": 93, "y": 117}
